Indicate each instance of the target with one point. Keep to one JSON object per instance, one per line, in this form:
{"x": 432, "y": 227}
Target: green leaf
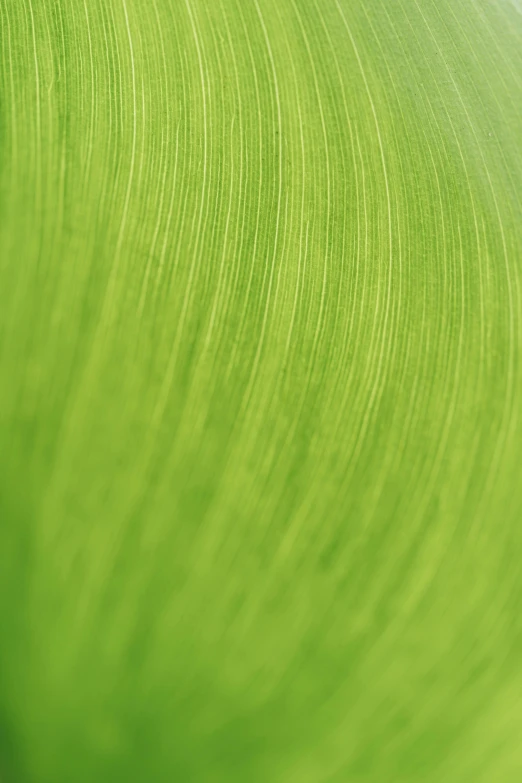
{"x": 260, "y": 391}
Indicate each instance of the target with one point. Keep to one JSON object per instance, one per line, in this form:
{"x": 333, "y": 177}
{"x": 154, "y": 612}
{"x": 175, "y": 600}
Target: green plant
{"x": 260, "y": 399}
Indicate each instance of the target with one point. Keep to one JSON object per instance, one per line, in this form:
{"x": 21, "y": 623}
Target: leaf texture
{"x": 261, "y": 387}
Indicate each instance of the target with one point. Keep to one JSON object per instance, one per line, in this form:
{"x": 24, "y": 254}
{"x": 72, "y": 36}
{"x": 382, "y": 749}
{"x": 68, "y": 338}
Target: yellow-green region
{"x": 260, "y": 391}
